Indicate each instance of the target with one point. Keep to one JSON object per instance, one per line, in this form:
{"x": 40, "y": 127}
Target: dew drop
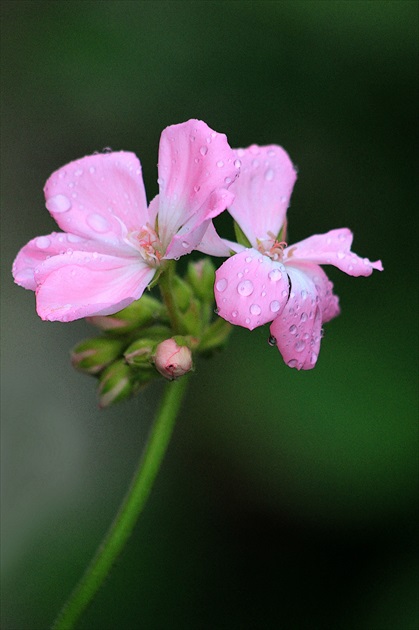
{"x": 299, "y": 346}
{"x": 197, "y": 188}
{"x": 42, "y": 242}
{"x": 234, "y": 314}
{"x": 216, "y": 310}
{"x": 78, "y": 172}
{"x": 274, "y": 306}
{"x": 248, "y": 259}
{"x": 245, "y": 288}
{"x": 293, "y": 329}
{"x": 73, "y": 238}
{"x": 304, "y": 294}
{"x": 313, "y": 358}
{"x": 272, "y": 340}
{"x": 284, "y": 293}
{"x": 185, "y": 244}
{"x": 269, "y": 174}
{"x": 59, "y": 203}
{"x": 237, "y": 163}
{"x": 220, "y": 163}
{"x": 203, "y": 150}
{"x": 98, "y": 223}
{"x": 221, "y": 285}
{"x": 341, "y": 255}
{"x": 92, "y": 170}
{"x": 271, "y": 152}
{"x": 255, "y": 309}
{"x": 275, "y": 275}
{"x": 303, "y": 317}
{"x": 247, "y": 320}
{"x": 227, "y": 181}
{"x": 293, "y": 363}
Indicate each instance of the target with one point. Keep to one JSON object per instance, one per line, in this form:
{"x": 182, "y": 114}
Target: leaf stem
{"x": 132, "y": 506}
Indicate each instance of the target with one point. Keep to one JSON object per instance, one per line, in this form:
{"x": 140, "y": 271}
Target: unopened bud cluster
{"x": 141, "y": 343}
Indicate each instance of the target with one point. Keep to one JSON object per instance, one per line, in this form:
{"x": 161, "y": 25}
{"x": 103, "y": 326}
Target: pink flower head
{"x": 271, "y": 282}
{"x": 112, "y": 244}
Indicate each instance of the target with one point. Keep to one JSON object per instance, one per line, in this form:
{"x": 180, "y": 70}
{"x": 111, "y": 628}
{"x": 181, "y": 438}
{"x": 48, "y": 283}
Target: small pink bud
{"x": 172, "y": 360}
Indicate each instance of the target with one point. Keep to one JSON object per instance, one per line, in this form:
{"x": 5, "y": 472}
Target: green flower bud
{"x": 116, "y": 383}
{"x": 215, "y": 336}
{"x": 142, "y": 312}
{"x": 93, "y": 355}
{"x": 201, "y": 276}
{"x": 139, "y": 354}
{"x": 182, "y": 293}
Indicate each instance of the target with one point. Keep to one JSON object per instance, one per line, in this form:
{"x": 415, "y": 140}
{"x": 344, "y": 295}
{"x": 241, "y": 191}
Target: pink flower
{"x": 112, "y": 244}
{"x": 269, "y": 281}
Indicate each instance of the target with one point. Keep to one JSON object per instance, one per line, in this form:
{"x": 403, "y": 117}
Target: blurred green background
{"x": 286, "y": 500}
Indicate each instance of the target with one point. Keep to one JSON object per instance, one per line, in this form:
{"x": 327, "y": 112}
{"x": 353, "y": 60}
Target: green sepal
{"x": 241, "y": 237}
{"x": 215, "y": 337}
{"x": 142, "y": 312}
{"x": 201, "y": 276}
{"x": 140, "y": 352}
{"x": 115, "y": 383}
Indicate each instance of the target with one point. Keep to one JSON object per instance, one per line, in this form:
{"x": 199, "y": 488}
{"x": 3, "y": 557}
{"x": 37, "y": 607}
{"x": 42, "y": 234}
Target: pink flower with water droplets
{"x": 112, "y": 243}
{"x": 271, "y": 281}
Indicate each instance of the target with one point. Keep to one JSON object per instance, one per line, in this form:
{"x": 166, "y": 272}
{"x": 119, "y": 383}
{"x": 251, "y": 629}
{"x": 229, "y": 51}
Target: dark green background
{"x": 287, "y": 500}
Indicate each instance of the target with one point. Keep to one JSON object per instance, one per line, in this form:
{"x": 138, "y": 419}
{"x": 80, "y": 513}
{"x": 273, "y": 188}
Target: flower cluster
{"x": 113, "y": 246}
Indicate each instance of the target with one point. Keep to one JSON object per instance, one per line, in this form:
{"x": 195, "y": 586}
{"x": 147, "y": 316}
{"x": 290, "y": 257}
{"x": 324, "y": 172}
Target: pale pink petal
{"x": 332, "y": 248}
{"x": 42, "y": 248}
{"x": 214, "y": 245}
{"x": 194, "y": 162}
{"x": 263, "y": 191}
{"x": 99, "y": 197}
{"x": 297, "y": 330}
{"x": 250, "y": 289}
{"x": 192, "y": 232}
{"x": 72, "y": 286}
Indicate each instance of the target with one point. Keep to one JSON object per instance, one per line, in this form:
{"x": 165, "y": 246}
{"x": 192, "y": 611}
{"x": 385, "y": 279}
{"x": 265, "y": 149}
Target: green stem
{"x": 166, "y": 290}
{"x": 134, "y": 501}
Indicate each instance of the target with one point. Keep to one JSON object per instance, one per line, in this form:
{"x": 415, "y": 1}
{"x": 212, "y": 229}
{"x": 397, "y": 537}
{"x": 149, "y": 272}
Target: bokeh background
{"x": 286, "y": 500}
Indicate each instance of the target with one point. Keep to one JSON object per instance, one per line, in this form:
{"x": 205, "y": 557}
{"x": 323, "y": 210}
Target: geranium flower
{"x": 270, "y": 281}
{"x": 112, "y": 244}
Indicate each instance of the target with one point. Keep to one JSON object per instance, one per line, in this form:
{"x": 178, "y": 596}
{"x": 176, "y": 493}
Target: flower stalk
{"x": 131, "y": 508}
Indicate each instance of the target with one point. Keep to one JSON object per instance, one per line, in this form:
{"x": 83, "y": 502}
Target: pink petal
{"x": 250, "y": 289}
{"x": 192, "y": 232}
{"x": 262, "y": 191}
{"x": 297, "y": 330}
{"x": 42, "y": 248}
{"x": 194, "y": 162}
{"x": 213, "y": 245}
{"x": 72, "y": 286}
{"x": 99, "y": 197}
{"x": 332, "y": 248}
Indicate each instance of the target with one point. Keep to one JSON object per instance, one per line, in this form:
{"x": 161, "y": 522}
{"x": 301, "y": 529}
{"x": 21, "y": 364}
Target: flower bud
{"x": 93, "y": 355}
{"x": 171, "y": 359}
{"x": 116, "y": 383}
{"x": 201, "y": 276}
{"x": 182, "y": 293}
{"x": 139, "y": 354}
{"x": 142, "y": 312}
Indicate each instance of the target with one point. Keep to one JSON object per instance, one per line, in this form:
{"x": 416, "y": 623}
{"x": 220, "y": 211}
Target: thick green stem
{"x": 134, "y": 501}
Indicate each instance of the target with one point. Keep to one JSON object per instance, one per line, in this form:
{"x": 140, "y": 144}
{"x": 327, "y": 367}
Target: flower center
{"x": 146, "y": 241}
{"x": 272, "y": 247}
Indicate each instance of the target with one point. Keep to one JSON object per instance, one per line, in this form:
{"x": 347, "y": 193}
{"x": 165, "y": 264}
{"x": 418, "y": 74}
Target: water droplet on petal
{"x": 185, "y": 244}
{"x": 227, "y": 181}
{"x": 248, "y": 259}
{"x": 299, "y": 346}
{"x": 275, "y": 275}
{"x": 341, "y": 255}
{"x": 293, "y": 363}
{"x": 221, "y": 285}
{"x": 234, "y": 314}
{"x": 78, "y": 172}
{"x": 220, "y": 163}
{"x": 245, "y": 288}
{"x": 293, "y": 329}
{"x": 237, "y": 163}
{"x": 92, "y": 170}
{"x": 42, "y": 242}
{"x": 247, "y": 320}
{"x": 59, "y": 203}
{"x": 269, "y": 174}
{"x": 255, "y": 309}
{"x": 274, "y": 306}
{"x": 98, "y": 223}
{"x": 304, "y": 294}
{"x": 272, "y": 340}
{"x": 303, "y": 317}
{"x": 197, "y": 188}
{"x": 203, "y": 150}
{"x": 313, "y": 358}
